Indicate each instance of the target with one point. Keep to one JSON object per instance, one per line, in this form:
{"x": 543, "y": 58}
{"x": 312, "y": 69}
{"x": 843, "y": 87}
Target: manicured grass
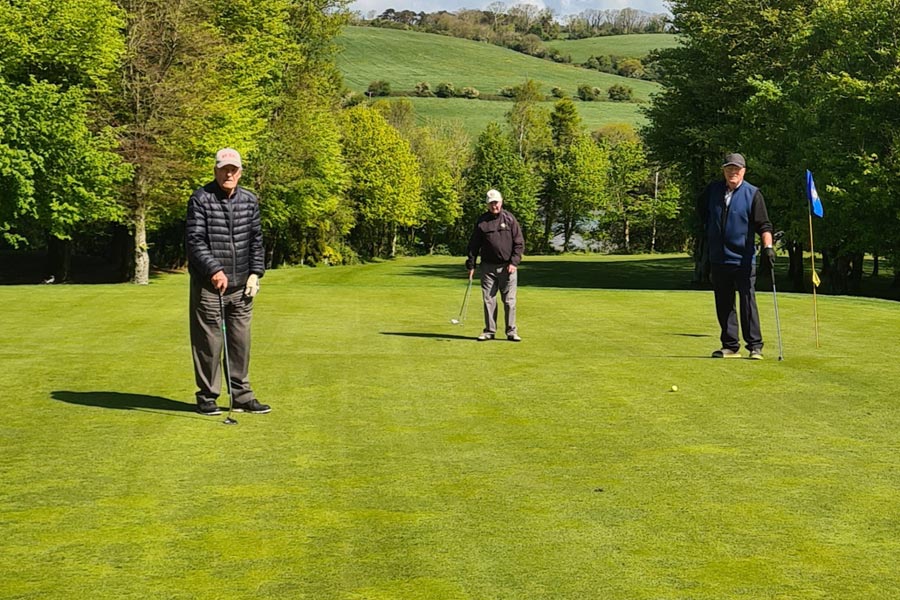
{"x": 474, "y": 115}
{"x": 404, "y": 58}
{"x": 636, "y": 45}
{"x": 404, "y": 460}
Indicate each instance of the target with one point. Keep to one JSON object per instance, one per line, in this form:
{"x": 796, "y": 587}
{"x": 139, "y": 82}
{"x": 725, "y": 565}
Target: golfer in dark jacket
{"x": 498, "y": 238}
{"x": 225, "y": 258}
{"x": 733, "y": 212}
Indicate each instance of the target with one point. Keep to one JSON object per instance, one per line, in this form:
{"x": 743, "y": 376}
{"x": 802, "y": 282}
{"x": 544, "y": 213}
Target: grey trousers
{"x": 495, "y": 278}
{"x": 206, "y": 341}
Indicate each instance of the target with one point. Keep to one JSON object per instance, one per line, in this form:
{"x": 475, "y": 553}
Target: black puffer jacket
{"x": 224, "y": 234}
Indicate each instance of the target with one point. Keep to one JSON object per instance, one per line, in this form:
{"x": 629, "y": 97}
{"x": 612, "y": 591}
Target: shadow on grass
{"x": 663, "y": 273}
{"x": 436, "y": 336}
{"x": 122, "y": 401}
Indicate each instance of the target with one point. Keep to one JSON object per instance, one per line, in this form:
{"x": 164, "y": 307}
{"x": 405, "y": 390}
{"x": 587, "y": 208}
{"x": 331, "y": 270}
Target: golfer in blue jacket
{"x": 733, "y": 212}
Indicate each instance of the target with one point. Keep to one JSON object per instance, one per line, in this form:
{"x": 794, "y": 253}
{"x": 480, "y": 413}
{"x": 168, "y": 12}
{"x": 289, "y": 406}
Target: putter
{"x": 228, "y": 420}
{"x": 777, "y": 237}
{"x": 465, "y": 306}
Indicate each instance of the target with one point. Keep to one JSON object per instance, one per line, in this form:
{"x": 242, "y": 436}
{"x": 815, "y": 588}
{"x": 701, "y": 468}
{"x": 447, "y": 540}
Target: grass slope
{"x": 404, "y": 460}
{"x": 637, "y": 45}
{"x": 405, "y": 58}
{"x": 474, "y": 115}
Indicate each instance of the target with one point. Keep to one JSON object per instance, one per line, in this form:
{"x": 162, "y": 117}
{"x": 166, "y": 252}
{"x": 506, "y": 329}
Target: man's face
{"x": 494, "y": 207}
{"x": 227, "y": 177}
{"x": 734, "y": 175}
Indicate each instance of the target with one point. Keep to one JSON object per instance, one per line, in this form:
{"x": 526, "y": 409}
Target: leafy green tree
{"x": 175, "y": 108}
{"x": 56, "y": 175}
{"x": 385, "y": 185}
{"x": 578, "y": 181}
{"x": 443, "y": 152}
{"x": 379, "y": 88}
{"x": 565, "y": 129}
{"x": 620, "y": 93}
{"x": 628, "y": 172}
{"x": 529, "y": 122}
{"x": 301, "y": 181}
{"x": 58, "y": 171}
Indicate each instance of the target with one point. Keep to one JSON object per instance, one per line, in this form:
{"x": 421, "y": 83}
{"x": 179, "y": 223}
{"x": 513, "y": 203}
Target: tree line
{"x": 499, "y": 22}
{"x": 799, "y": 85}
{"x": 110, "y": 112}
{"x": 525, "y": 27}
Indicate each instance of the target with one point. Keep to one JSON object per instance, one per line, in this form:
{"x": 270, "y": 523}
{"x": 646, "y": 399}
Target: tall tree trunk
{"x": 627, "y": 236}
{"x": 141, "y": 256}
{"x": 875, "y": 265}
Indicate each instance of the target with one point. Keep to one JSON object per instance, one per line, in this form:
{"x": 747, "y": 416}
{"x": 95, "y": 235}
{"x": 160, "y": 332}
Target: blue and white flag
{"x": 815, "y": 204}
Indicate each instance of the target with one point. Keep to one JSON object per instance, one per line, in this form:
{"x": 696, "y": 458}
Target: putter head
{"x": 229, "y": 421}
{"x": 455, "y": 321}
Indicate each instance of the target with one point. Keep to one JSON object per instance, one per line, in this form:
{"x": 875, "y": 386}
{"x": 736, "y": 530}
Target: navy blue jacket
{"x": 224, "y": 234}
{"x": 731, "y": 231}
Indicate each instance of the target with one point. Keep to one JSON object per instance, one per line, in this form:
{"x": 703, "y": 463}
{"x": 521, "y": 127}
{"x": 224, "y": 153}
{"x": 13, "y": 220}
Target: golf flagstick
{"x": 228, "y": 420}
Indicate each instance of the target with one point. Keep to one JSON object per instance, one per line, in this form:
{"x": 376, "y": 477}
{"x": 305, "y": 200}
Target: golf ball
{"x": 674, "y": 388}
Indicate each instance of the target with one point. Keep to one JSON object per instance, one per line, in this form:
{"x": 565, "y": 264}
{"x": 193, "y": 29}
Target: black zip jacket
{"x": 498, "y": 238}
{"x": 224, "y": 234}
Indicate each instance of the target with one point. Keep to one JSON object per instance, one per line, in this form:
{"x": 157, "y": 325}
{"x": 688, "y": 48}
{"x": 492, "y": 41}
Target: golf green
{"x": 402, "y": 459}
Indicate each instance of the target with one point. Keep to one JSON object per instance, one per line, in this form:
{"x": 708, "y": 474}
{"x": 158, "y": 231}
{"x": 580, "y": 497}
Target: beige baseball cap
{"x": 228, "y": 156}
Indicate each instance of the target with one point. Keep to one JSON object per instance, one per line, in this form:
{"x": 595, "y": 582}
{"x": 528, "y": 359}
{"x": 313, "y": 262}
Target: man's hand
{"x": 220, "y": 281}
{"x": 252, "y": 287}
{"x": 471, "y": 273}
{"x": 769, "y": 254}
{"x": 511, "y": 269}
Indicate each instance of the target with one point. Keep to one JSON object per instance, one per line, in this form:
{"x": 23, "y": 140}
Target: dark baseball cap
{"x": 734, "y": 159}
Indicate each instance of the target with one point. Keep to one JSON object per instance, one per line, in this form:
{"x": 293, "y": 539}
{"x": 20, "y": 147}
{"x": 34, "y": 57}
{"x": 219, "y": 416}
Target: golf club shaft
{"x": 777, "y": 320}
{"x": 465, "y": 303}
{"x": 465, "y": 306}
{"x": 227, "y": 369}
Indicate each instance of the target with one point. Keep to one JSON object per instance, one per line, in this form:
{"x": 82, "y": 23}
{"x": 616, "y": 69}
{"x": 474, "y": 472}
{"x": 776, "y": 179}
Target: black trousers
{"x": 726, "y": 280}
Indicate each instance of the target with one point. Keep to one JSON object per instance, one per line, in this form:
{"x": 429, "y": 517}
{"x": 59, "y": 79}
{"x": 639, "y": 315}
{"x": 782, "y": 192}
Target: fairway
{"x": 474, "y": 115}
{"x": 404, "y": 460}
{"x": 635, "y": 45}
{"x": 405, "y": 58}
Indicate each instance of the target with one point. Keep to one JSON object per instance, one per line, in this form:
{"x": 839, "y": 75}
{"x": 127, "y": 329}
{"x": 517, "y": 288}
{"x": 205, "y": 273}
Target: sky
{"x": 559, "y": 7}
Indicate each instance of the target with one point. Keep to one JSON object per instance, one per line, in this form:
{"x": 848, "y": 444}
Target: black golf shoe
{"x": 208, "y": 408}
{"x": 253, "y": 407}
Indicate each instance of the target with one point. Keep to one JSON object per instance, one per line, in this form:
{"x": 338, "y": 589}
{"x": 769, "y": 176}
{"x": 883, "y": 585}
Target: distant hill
{"x": 404, "y": 58}
{"x": 474, "y": 115}
{"x": 636, "y": 45}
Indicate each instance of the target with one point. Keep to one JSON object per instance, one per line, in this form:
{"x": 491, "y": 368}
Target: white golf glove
{"x": 252, "y": 285}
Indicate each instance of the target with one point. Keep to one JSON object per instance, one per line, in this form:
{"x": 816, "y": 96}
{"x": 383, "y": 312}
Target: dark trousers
{"x": 206, "y": 341}
{"x": 726, "y": 280}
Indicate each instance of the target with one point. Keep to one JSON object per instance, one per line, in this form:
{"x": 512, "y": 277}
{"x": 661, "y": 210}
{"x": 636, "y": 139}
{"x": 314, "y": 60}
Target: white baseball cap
{"x": 494, "y": 196}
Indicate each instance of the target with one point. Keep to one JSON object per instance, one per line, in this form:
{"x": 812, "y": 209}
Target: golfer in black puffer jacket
{"x": 225, "y": 260}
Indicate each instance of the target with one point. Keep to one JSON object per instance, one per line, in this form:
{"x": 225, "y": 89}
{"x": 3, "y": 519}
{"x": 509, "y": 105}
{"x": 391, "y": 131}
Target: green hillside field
{"x": 404, "y": 460}
{"x": 404, "y": 58}
{"x": 637, "y": 45}
{"x": 474, "y": 115}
